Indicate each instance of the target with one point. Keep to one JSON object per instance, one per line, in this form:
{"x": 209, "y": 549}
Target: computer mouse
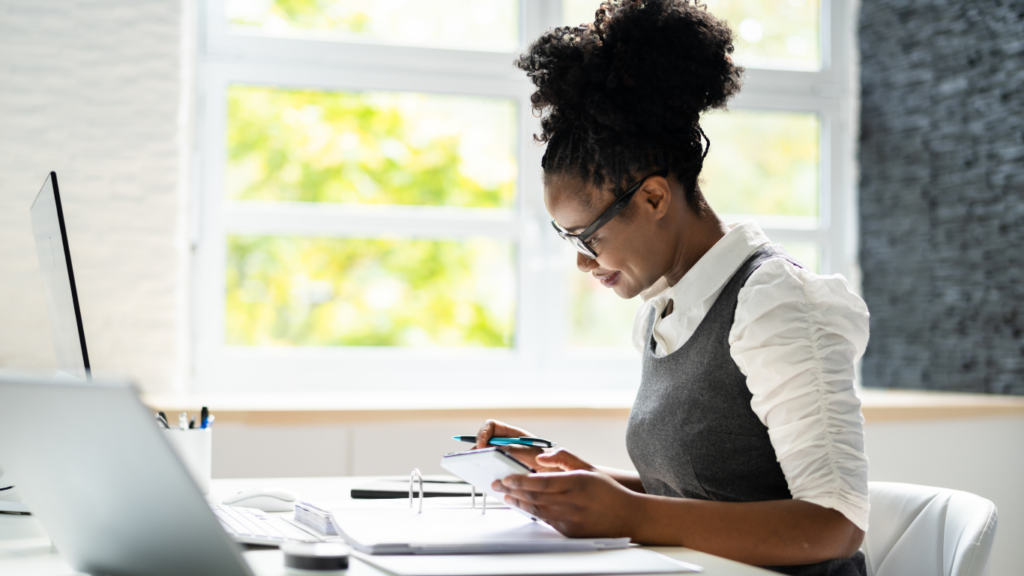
{"x": 266, "y": 499}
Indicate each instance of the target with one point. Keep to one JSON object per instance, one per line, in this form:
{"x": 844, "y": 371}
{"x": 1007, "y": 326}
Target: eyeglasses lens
{"x": 582, "y": 247}
{"x": 575, "y": 241}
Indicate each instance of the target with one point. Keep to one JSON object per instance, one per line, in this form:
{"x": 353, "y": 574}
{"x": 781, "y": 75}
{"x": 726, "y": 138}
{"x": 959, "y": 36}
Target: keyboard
{"x": 252, "y": 526}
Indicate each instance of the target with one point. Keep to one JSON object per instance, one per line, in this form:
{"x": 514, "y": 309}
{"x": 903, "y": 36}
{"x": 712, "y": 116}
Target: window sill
{"x": 321, "y": 409}
{"x": 880, "y": 405}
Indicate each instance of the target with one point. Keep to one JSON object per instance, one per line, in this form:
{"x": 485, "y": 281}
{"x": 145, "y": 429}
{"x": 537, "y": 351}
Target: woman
{"x": 746, "y": 432}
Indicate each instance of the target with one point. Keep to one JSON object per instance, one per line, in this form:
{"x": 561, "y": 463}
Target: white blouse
{"x": 796, "y": 337}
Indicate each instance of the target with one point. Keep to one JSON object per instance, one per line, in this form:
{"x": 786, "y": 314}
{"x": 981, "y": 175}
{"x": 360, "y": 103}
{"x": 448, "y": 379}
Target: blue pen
{"x": 523, "y": 441}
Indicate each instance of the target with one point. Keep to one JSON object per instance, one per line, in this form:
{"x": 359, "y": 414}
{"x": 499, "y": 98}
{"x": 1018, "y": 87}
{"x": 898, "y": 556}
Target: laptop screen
{"x": 59, "y": 281}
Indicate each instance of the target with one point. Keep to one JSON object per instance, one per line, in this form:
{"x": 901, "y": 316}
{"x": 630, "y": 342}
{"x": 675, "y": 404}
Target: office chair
{"x": 923, "y": 531}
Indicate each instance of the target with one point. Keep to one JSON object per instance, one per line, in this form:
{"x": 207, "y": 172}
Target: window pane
{"x": 773, "y": 33}
{"x": 596, "y": 316}
{"x": 781, "y": 34}
{"x": 289, "y": 291}
{"x": 491, "y": 25}
{"x": 806, "y": 253}
{"x": 578, "y": 11}
{"x": 763, "y": 163}
{"x": 370, "y": 148}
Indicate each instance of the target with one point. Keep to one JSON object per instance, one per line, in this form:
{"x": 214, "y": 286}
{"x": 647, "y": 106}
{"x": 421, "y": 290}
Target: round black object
{"x": 315, "y": 556}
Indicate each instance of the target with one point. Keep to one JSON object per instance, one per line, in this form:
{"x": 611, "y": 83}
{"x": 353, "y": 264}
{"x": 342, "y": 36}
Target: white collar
{"x": 711, "y": 272}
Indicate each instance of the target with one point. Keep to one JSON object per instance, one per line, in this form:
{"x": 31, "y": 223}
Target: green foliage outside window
{"x": 369, "y": 292}
{"x": 305, "y": 14}
{"x": 762, "y": 163}
{"x": 370, "y": 148}
{"x": 463, "y": 24}
{"x": 773, "y": 33}
{"x": 428, "y": 150}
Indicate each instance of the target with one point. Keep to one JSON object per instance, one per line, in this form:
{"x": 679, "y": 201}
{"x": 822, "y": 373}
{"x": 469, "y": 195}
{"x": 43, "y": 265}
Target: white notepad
{"x": 630, "y": 561}
{"x": 455, "y": 531}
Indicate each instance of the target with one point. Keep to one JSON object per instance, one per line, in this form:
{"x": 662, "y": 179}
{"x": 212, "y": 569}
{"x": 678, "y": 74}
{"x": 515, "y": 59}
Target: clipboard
{"x": 455, "y": 530}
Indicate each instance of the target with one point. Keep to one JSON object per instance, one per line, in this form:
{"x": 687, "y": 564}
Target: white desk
{"x": 25, "y": 549}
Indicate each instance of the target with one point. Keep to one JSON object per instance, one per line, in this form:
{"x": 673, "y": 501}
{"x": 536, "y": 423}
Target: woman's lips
{"x": 609, "y": 280}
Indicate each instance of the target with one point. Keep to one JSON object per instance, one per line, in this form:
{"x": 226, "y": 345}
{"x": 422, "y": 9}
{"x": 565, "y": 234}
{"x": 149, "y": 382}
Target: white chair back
{"x": 923, "y": 531}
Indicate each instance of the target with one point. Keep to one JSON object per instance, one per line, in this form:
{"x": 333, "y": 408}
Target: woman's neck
{"x": 697, "y": 235}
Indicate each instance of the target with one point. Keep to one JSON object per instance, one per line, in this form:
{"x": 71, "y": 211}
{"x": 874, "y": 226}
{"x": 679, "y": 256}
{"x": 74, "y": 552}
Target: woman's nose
{"x": 585, "y": 264}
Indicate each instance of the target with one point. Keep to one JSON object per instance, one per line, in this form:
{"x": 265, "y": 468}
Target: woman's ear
{"x": 656, "y": 195}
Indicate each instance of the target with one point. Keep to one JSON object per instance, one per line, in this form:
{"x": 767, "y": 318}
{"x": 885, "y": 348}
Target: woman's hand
{"x": 578, "y": 501}
{"x": 526, "y": 454}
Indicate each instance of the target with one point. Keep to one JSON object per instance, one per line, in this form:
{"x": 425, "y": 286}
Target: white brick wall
{"x": 92, "y": 90}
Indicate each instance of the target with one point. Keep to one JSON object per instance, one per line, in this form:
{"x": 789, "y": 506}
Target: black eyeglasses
{"x": 579, "y": 241}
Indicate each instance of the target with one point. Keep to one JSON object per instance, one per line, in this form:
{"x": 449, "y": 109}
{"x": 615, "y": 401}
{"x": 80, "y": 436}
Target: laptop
{"x": 112, "y": 494}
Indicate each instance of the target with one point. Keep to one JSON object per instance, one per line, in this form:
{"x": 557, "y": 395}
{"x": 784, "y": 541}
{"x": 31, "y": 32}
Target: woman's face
{"x": 632, "y": 250}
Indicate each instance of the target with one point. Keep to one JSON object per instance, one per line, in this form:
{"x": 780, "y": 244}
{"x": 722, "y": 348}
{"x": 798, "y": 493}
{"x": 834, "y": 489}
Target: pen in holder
{"x": 194, "y": 447}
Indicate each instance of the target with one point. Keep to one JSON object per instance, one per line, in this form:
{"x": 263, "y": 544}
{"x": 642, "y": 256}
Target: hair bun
{"x": 644, "y": 67}
{"x": 624, "y": 95}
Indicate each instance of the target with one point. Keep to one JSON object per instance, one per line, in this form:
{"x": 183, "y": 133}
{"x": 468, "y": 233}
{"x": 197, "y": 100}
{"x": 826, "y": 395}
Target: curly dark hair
{"x": 623, "y": 96}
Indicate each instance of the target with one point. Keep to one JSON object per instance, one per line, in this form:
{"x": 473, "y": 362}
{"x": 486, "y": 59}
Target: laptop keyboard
{"x": 252, "y": 526}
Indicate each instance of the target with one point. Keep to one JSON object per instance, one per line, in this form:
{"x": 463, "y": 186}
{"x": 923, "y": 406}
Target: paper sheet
{"x": 629, "y": 561}
{"x": 455, "y": 531}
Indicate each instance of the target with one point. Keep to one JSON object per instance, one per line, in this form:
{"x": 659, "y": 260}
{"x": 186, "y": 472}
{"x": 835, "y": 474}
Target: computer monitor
{"x": 62, "y": 303}
{"x": 59, "y": 282}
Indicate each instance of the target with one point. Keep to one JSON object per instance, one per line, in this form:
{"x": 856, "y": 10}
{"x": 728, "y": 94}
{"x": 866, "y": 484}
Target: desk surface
{"x": 25, "y": 548}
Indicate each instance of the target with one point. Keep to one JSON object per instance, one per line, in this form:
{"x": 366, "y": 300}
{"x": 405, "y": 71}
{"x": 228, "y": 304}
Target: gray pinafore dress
{"x": 692, "y": 432}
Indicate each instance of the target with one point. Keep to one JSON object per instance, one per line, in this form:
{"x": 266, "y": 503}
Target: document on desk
{"x": 629, "y": 561}
{"x": 406, "y": 530}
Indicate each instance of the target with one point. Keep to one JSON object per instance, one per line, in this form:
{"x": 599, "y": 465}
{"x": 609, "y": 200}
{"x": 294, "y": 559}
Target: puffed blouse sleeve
{"x": 796, "y": 337}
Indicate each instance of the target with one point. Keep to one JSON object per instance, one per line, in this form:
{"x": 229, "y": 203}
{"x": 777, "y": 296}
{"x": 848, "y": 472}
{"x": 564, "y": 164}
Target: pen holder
{"x": 195, "y": 449}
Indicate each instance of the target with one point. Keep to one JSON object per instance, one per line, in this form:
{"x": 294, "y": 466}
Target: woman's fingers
{"x": 544, "y": 510}
{"x": 525, "y": 454}
{"x": 486, "y": 432}
{"x": 551, "y": 482}
{"x": 576, "y": 503}
{"x": 525, "y": 506}
{"x": 535, "y": 497}
{"x": 563, "y": 459}
{"x": 497, "y": 429}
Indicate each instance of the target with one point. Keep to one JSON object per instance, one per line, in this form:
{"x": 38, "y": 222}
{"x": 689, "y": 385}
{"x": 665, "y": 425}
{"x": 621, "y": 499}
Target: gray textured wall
{"x": 942, "y": 193}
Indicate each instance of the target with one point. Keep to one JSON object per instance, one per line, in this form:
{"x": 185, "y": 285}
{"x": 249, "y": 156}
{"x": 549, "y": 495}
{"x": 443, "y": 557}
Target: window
{"x": 370, "y": 216}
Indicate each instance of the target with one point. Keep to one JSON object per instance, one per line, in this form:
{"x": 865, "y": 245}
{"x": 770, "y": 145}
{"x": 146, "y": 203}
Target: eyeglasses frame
{"x": 579, "y": 241}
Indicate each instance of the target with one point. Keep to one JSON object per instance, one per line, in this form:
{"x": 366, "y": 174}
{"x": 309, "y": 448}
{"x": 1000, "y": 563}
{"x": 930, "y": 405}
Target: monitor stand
{"x": 10, "y": 498}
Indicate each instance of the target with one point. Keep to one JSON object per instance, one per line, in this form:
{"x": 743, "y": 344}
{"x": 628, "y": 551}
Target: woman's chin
{"x": 624, "y": 290}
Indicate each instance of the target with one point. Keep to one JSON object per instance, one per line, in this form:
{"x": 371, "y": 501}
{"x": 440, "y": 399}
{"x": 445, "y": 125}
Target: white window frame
{"x": 540, "y": 361}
